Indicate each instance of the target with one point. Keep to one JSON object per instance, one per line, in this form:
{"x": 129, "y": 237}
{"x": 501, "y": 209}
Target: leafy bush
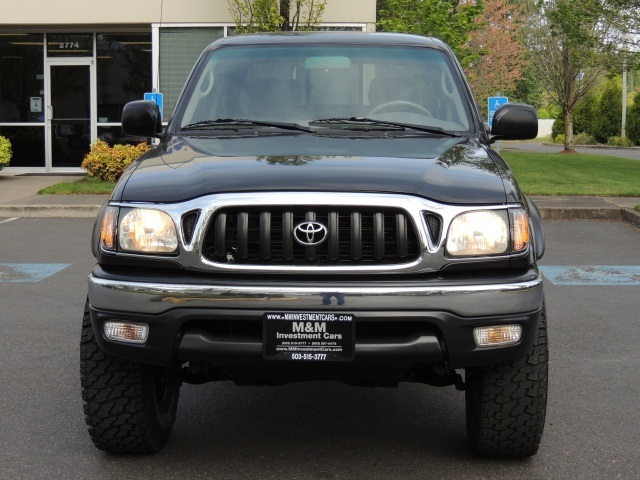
{"x": 558, "y": 128}
{"x": 559, "y": 138}
{"x": 584, "y": 116}
{"x": 107, "y": 163}
{"x": 633, "y": 120}
{"x": 620, "y": 142}
{"x": 607, "y": 113}
{"x": 584, "y": 139}
{"x": 5, "y": 152}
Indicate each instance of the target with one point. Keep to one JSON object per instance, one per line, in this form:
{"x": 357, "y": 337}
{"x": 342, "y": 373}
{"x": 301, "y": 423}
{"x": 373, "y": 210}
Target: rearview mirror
{"x": 515, "y": 121}
{"x": 141, "y": 119}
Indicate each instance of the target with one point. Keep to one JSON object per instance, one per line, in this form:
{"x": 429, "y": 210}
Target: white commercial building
{"x": 68, "y": 67}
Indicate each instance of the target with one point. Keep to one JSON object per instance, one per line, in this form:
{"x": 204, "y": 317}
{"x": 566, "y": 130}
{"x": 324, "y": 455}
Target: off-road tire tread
{"x": 506, "y": 402}
{"x": 116, "y": 407}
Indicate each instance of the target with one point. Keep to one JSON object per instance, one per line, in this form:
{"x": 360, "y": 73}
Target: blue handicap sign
{"x": 29, "y": 272}
{"x": 607, "y": 275}
{"x": 158, "y": 98}
{"x": 493, "y": 104}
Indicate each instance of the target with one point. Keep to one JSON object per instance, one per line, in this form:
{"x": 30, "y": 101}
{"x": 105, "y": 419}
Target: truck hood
{"x": 444, "y": 169}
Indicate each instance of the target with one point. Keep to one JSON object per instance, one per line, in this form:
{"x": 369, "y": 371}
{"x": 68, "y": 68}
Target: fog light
{"x": 126, "y": 332}
{"x": 497, "y": 335}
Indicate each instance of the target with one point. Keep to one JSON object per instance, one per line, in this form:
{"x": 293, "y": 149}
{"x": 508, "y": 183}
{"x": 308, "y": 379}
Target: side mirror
{"x": 141, "y": 119}
{"x": 515, "y": 121}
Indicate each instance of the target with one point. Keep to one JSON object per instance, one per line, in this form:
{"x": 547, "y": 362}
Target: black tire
{"x": 129, "y": 407}
{"x": 506, "y": 403}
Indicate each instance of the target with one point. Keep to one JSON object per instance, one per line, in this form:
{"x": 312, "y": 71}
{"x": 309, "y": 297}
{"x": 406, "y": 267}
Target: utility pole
{"x": 623, "y": 131}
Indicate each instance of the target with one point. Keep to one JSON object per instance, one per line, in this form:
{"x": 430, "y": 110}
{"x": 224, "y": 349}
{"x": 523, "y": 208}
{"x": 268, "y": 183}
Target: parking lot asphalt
{"x": 322, "y": 431}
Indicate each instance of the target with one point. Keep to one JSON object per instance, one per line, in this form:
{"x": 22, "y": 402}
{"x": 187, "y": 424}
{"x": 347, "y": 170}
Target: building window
{"x": 179, "y": 50}
{"x": 70, "y": 45}
{"x": 123, "y": 70}
{"x": 22, "y": 78}
{"x": 27, "y": 145}
{"x": 113, "y": 135}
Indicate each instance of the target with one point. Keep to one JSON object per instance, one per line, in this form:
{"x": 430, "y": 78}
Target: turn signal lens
{"x": 147, "y": 231}
{"x": 478, "y": 233}
{"x": 497, "y": 336}
{"x": 519, "y": 230}
{"x": 126, "y": 332}
{"x": 108, "y": 229}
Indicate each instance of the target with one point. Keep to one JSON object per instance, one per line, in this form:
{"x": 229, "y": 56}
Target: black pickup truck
{"x": 319, "y": 207}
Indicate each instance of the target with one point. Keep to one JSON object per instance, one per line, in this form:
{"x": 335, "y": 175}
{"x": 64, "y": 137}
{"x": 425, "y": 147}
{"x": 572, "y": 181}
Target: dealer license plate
{"x": 308, "y": 336}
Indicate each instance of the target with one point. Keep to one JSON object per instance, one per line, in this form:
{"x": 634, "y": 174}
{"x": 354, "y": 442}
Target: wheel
{"x": 506, "y": 402}
{"x": 400, "y": 103}
{"x": 129, "y": 407}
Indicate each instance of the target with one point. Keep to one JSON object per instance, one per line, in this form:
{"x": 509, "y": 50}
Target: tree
{"x": 499, "y": 38}
{"x": 251, "y": 16}
{"x": 574, "y": 44}
{"x": 449, "y": 20}
{"x": 608, "y": 112}
{"x": 633, "y": 123}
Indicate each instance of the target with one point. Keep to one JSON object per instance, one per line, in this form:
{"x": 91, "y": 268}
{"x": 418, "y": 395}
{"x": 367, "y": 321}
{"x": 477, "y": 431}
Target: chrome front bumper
{"x": 182, "y": 316}
{"x": 137, "y": 296}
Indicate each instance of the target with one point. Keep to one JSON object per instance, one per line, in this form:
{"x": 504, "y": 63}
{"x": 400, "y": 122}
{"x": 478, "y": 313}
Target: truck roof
{"x": 353, "y": 38}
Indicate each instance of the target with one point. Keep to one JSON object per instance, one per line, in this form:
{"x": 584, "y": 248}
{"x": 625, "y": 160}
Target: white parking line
{"x": 8, "y": 220}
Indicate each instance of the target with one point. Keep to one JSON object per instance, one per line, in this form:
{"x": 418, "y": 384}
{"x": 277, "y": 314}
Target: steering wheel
{"x": 400, "y": 103}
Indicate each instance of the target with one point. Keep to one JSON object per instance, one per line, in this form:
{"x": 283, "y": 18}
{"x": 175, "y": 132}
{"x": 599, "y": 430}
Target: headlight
{"x": 147, "y": 231}
{"x": 479, "y": 233}
{"x": 488, "y": 232}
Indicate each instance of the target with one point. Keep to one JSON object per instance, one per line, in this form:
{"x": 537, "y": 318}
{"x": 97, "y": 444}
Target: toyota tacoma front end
{"x": 319, "y": 207}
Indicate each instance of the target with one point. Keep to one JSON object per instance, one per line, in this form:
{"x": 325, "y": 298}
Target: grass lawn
{"x": 579, "y": 174}
{"x": 88, "y": 186}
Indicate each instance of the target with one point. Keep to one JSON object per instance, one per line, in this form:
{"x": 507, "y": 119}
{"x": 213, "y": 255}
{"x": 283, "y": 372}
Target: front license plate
{"x": 308, "y": 336}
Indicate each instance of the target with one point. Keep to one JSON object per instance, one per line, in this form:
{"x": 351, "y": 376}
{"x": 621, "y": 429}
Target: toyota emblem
{"x": 310, "y": 234}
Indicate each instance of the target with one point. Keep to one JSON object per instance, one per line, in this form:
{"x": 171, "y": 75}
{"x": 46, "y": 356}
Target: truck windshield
{"x": 303, "y": 84}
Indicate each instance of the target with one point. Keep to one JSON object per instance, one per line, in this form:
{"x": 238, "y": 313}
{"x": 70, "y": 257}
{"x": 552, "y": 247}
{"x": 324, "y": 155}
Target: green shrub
{"x": 559, "y": 138}
{"x": 633, "y": 120}
{"x": 558, "y": 128}
{"x": 583, "y": 139}
{"x": 5, "y": 152}
{"x": 585, "y": 114}
{"x": 620, "y": 142}
{"x": 107, "y": 163}
{"x": 607, "y": 112}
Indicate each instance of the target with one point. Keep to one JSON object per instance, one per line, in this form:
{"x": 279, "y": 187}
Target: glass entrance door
{"x": 69, "y": 113}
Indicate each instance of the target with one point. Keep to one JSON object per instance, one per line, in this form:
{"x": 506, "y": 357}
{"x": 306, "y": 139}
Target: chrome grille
{"x": 264, "y": 235}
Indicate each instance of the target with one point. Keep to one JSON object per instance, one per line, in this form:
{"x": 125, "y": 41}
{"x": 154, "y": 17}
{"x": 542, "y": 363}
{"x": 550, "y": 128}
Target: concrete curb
{"x": 595, "y": 147}
{"x": 49, "y": 211}
{"x": 631, "y": 216}
{"x": 628, "y": 215}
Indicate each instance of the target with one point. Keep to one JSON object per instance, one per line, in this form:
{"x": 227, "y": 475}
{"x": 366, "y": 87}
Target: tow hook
{"x": 460, "y": 385}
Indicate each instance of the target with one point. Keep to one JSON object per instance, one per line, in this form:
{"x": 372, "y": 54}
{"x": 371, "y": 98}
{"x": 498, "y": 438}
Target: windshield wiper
{"x": 242, "y": 122}
{"x": 364, "y": 121}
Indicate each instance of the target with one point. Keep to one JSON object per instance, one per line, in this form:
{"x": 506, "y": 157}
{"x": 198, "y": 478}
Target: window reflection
{"x": 27, "y": 145}
{"x": 114, "y": 136}
{"x": 22, "y": 77}
{"x": 179, "y": 50}
{"x": 124, "y": 72}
